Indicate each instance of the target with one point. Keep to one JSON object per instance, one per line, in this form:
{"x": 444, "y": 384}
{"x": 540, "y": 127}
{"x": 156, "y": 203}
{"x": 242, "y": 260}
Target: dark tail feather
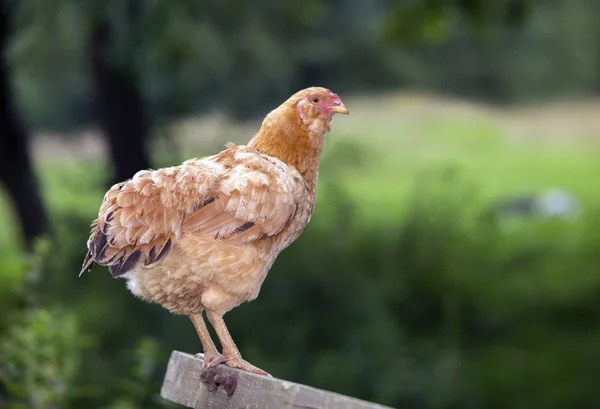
{"x": 88, "y": 262}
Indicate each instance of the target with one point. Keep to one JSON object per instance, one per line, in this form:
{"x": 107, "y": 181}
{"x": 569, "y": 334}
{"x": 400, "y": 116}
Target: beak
{"x": 340, "y": 108}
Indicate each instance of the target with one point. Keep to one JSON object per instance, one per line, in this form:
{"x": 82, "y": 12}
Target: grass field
{"x": 502, "y": 152}
{"x": 379, "y": 153}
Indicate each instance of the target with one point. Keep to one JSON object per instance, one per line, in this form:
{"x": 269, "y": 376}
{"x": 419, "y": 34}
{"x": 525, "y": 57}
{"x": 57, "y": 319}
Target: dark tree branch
{"x": 120, "y": 107}
{"x": 16, "y": 171}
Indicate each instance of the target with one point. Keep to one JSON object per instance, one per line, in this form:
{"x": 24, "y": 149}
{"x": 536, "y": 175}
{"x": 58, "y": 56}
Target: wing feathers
{"x": 238, "y": 196}
{"x": 156, "y": 254}
{"x": 125, "y": 263}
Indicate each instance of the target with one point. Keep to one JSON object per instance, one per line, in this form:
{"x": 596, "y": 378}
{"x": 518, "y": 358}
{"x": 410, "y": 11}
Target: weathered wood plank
{"x": 183, "y": 385}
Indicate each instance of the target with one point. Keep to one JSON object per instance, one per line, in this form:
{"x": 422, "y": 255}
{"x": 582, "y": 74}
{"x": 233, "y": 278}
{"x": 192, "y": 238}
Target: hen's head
{"x": 293, "y": 132}
{"x": 308, "y": 110}
{"x": 314, "y": 103}
{"x": 315, "y": 107}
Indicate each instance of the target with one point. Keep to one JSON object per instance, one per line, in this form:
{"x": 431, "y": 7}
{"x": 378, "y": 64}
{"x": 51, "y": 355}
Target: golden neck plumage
{"x": 284, "y": 136}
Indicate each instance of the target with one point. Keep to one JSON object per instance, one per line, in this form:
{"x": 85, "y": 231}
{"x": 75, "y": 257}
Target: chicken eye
{"x": 316, "y": 100}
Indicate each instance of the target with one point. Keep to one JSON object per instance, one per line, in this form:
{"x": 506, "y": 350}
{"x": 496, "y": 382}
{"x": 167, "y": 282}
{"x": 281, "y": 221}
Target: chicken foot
{"x": 231, "y": 354}
{"x": 211, "y": 356}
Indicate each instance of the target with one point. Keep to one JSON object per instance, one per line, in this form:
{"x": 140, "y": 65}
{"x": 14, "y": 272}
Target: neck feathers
{"x": 285, "y": 136}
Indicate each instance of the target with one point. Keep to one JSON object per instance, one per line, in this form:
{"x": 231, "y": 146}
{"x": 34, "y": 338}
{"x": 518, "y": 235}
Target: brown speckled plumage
{"x": 202, "y": 236}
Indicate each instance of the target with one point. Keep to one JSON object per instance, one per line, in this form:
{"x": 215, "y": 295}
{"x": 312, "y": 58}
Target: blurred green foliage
{"x": 191, "y": 56}
{"x": 40, "y": 356}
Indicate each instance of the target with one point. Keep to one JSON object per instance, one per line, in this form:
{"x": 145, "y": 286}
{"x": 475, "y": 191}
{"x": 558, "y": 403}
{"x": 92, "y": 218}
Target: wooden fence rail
{"x": 187, "y": 384}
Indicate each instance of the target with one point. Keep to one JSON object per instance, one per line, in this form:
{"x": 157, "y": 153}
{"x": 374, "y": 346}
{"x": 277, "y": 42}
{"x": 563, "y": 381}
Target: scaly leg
{"x": 211, "y": 356}
{"x": 232, "y": 355}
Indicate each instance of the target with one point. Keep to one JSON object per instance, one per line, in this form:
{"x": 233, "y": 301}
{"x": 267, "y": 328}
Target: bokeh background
{"x": 453, "y": 257}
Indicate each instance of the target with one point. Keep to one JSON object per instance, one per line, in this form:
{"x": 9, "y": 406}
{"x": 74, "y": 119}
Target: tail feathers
{"x": 88, "y": 262}
{"x": 124, "y": 260}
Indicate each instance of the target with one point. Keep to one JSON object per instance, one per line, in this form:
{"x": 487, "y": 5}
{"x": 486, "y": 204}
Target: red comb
{"x": 333, "y": 95}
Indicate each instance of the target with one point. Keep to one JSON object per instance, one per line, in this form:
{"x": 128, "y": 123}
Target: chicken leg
{"x": 231, "y": 354}
{"x": 211, "y": 356}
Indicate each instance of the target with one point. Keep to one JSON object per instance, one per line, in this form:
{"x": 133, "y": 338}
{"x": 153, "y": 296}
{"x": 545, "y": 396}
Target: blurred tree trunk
{"x": 16, "y": 171}
{"x": 120, "y": 107}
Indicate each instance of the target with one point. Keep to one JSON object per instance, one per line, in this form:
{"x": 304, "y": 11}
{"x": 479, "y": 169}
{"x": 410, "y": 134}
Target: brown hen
{"x": 202, "y": 236}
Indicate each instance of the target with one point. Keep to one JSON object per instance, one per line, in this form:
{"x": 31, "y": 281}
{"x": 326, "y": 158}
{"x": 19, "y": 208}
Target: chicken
{"x": 202, "y": 236}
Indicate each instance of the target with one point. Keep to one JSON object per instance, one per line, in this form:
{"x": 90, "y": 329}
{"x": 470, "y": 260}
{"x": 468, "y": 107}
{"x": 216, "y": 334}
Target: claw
{"x": 246, "y": 366}
{"x": 211, "y": 359}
